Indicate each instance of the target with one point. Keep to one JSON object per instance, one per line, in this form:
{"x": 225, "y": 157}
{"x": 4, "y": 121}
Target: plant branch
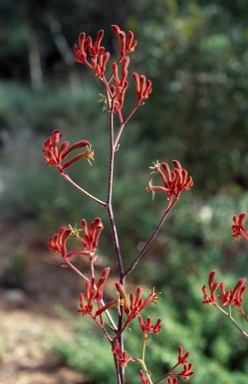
{"x": 67, "y": 177}
{"x": 137, "y": 259}
{"x": 122, "y": 125}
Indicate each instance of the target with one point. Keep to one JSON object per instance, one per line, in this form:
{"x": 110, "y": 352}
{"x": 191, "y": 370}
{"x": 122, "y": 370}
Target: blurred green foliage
{"x": 195, "y": 53}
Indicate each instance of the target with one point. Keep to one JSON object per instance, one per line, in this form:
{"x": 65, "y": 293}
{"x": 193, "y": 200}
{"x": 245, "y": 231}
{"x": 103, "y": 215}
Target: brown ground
{"x": 27, "y": 315}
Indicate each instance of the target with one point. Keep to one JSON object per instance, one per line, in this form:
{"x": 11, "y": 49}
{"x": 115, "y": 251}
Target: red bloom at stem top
{"x": 94, "y": 55}
{"x": 126, "y": 41}
{"x": 98, "y": 55}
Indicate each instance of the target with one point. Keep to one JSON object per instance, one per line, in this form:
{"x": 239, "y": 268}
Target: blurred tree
{"x": 195, "y": 52}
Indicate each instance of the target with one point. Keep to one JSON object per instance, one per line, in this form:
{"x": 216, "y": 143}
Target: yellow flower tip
{"x": 156, "y": 166}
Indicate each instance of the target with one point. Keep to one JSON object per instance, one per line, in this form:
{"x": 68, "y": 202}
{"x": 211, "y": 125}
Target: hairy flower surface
{"x": 89, "y": 239}
{"x": 147, "y": 327}
{"x": 174, "y": 182}
{"x": 122, "y": 356}
{"x": 58, "y": 242}
{"x": 55, "y": 154}
{"x": 238, "y": 226}
{"x": 93, "y": 293}
{"x": 230, "y": 297}
{"x": 136, "y": 303}
{"x": 144, "y": 380}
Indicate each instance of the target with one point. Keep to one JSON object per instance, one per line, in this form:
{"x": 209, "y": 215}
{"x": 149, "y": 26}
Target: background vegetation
{"x": 195, "y": 54}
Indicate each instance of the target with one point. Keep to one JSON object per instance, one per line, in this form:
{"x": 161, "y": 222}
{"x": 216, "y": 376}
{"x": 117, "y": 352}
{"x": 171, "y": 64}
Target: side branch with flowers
{"x": 115, "y": 83}
{"x": 229, "y": 298}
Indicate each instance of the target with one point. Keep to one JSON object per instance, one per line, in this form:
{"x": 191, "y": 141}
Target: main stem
{"x": 119, "y": 368}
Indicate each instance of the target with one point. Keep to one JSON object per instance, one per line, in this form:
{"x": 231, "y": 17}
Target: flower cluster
{"x": 126, "y": 41}
{"x": 95, "y": 56}
{"x": 122, "y": 356}
{"x": 98, "y": 55}
{"x": 230, "y": 297}
{"x": 143, "y": 87}
{"x": 174, "y": 182}
{"x": 93, "y": 294}
{"x": 144, "y": 380}
{"x": 136, "y": 303}
{"x": 89, "y": 239}
{"x": 173, "y": 374}
{"x": 238, "y": 226}
{"x": 54, "y": 155}
{"x": 147, "y": 327}
{"x": 186, "y": 371}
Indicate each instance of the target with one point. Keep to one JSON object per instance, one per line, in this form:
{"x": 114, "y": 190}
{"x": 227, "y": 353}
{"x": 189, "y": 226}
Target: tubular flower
{"x": 137, "y": 303}
{"x": 127, "y": 42}
{"x": 90, "y": 236}
{"x": 144, "y": 380}
{"x": 117, "y": 91}
{"x": 89, "y": 240}
{"x": 147, "y": 327}
{"x": 238, "y": 226}
{"x": 174, "y": 182}
{"x": 182, "y": 358}
{"x": 54, "y": 155}
{"x": 213, "y": 286}
{"x": 143, "y": 87}
{"x": 186, "y": 372}
{"x": 122, "y": 356}
{"x": 173, "y": 380}
{"x": 233, "y": 296}
{"x": 228, "y": 297}
{"x": 58, "y": 242}
{"x": 93, "y": 293}
{"x": 99, "y": 57}
{"x": 173, "y": 375}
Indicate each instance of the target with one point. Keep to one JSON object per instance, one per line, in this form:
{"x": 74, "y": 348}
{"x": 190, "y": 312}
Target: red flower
{"x": 122, "y": 356}
{"x": 137, "y": 303}
{"x": 173, "y": 380}
{"x": 99, "y": 57}
{"x": 233, "y": 296}
{"x": 238, "y": 226}
{"x": 186, "y": 372}
{"x": 91, "y": 236}
{"x": 58, "y": 242}
{"x": 143, "y": 87}
{"x": 147, "y": 327}
{"x": 93, "y": 293}
{"x": 118, "y": 90}
{"x": 213, "y": 286}
{"x": 228, "y": 297}
{"x": 89, "y": 240}
{"x": 174, "y": 181}
{"x": 54, "y": 155}
{"x": 127, "y": 42}
{"x": 143, "y": 378}
{"x": 182, "y": 358}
